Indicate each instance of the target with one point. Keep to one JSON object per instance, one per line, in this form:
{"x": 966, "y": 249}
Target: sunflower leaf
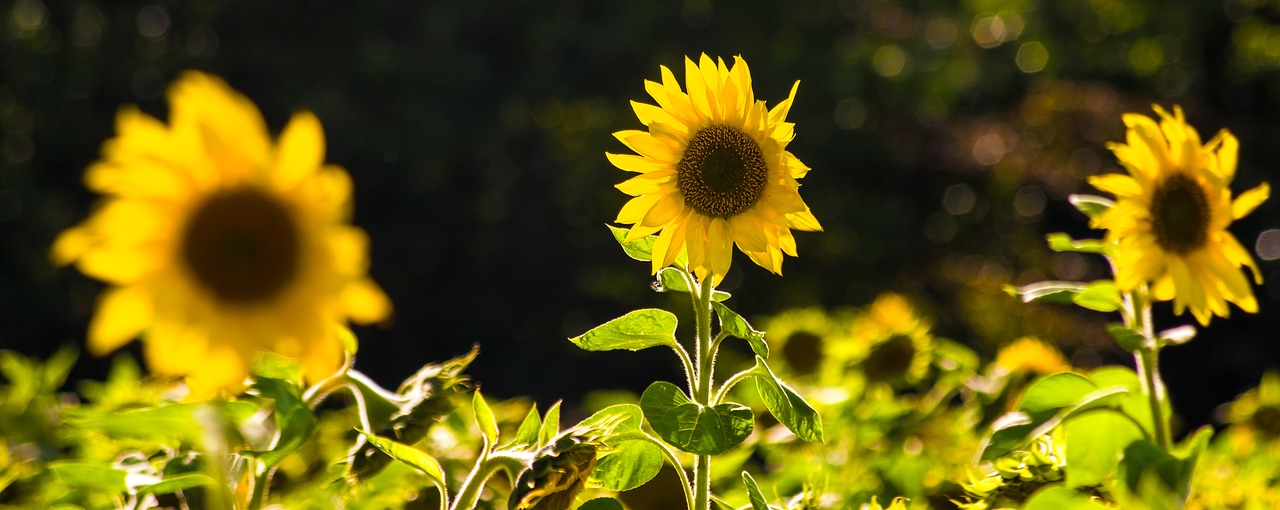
{"x": 627, "y": 464}
{"x": 735, "y": 325}
{"x": 1057, "y": 497}
{"x": 409, "y": 455}
{"x": 1179, "y": 335}
{"x": 484, "y": 418}
{"x": 603, "y": 503}
{"x": 639, "y": 329}
{"x": 753, "y": 492}
{"x": 1101, "y": 296}
{"x": 786, "y": 405}
{"x": 527, "y": 433}
{"x": 1091, "y": 205}
{"x": 1049, "y": 292}
{"x": 1129, "y": 339}
{"x": 692, "y": 427}
{"x": 639, "y": 249}
{"x": 295, "y": 422}
{"x": 670, "y": 278}
{"x": 550, "y": 425}
{"x": 1107, "y": 433}
{"x": 1061, "y": 242}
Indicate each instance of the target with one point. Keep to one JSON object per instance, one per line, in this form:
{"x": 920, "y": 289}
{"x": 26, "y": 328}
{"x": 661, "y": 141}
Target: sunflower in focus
{"x": 218, "y": 243}
{"x": 713, "y": 171}
{"x": 1169, "y": 222}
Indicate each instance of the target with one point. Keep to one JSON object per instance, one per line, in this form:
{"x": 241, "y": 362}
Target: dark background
{"x": 943, "y": 145}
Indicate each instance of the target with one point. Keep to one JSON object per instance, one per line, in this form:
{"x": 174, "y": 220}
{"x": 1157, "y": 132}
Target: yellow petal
{"x": 804, "y": 220}
{"x": 1227, "y": 154}
{"x": 123, "y": 313}
{"x": 632, "y": 163}
{"x": 366, "y": 302}
{"x": 301, "y": 151}
{"x": 662, "y": 213}
{"x": 1250, "y": 200}
{"x": 1119, "y": 185}
{"x": 719, "y": 246}
{"x": 71, "y": 244}
{"x": 348, "y": 249}
{"x": 648, "y": 183}
{"x": 697, "y": 91}
{"x": 748, "y": 232}
{"x": 779, "y": 112}
{"x": 635, "y": 209}
{"x": 669, "y": 243}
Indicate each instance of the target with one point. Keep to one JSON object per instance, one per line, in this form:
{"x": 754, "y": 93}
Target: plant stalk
{"x": 1146, "y": 359}
{"x": 705, "y": 361}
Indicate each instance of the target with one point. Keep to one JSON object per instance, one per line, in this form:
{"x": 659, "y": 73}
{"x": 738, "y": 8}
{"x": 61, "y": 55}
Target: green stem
{"x": 1146, "y": 359}
{"x": 671, "y": 457}
{"x": 261, "y": 479}
{"x": 702, "y": 391}
{"x": 730, "y": 383}
{"x": 484, "y": 469}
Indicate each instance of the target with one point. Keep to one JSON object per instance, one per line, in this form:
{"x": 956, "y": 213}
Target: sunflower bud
{"x": 559, "y": 473}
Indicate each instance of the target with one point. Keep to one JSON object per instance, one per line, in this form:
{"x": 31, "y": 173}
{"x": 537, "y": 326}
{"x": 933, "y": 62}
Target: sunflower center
{"x": 803, "y": 351}
{"x": 722, "y": 172}
{"x": 242, "y": 245}
{"x": 1180, "y": 214}
{"x": 890, "y": 360}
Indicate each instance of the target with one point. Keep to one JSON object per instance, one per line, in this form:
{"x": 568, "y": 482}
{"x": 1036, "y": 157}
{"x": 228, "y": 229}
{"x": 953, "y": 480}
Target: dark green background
{"x": 476, "y": 132}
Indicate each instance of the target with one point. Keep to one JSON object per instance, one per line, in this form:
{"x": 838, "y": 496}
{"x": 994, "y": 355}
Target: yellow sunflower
{"x": 1030, "y": 355}
{"x": 217, "y": 242}
{"x": 1169, "y": 222}
{"x": 714, "y": 171}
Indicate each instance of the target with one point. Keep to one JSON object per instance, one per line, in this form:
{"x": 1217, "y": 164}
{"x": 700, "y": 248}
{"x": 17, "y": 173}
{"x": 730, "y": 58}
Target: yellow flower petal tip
{"x": 220, "y": 242}
{"x": 714, "y": 171}
{"x": 1170, "y": 218}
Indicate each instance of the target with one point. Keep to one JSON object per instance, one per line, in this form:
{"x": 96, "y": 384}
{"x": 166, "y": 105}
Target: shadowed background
{"x": 944, "y": 141}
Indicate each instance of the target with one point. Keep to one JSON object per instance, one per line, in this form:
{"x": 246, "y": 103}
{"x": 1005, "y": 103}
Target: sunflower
{"x": 714, "y": 171}
{"x": 1169, "y": 222}
{"x": 897, "y": 342}
{"x": 1029, "y": 355}
{"x": 217, "y": 242}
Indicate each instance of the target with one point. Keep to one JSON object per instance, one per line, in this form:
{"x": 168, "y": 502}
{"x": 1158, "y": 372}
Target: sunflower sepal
{"x": 1092, "y": 206}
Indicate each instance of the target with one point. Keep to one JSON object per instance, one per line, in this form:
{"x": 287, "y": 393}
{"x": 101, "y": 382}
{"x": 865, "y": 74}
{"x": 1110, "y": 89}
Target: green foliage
{"x": 786, "y": 405}
{"x": 411, "y": 456}
{"x": 693, "y": 427}
{"x": 295, "y": 422}
{"x": 753, "y": 493}
{"x": 639, "y": 329}
{"x": 734, "y": 324}
{"x": 1061, "y": 498}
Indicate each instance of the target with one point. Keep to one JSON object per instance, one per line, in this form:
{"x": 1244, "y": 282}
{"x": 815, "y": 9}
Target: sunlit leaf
{"x": 640, "y": 249}
{"x": 409, "y": 455}
{"x": 1179, "y": 335}
{"x": 550, "y": 425}
{"x": 1090, "y": 205}
{"x": 1095, "y": 443}
{"x": 172, "y": 484}
{"x": 639, "y": 329}
{"x": 84, "y": 474}
{"x": 527, "y": 434}
{"x": 484, "y": 417}
{"x": 735, "y": 325}
{"x": 1046, "y": 403}
{"x": 615, "y": 419}
{"x": 660, "y": 398}
{"x": 673, "y": 279}
{"x": 1102, "y": 296}
{"x": 753, "y": 493}
{"x": 295, "y": 422}
{"x": 692, "y": 427}
{"x": 628, "y": 464}
{"x": 1048, "y": 292}
{"x": 186, "y": 422}
{"x": 1057, "y": 497}
{"x": 786, "y": 405}
{"x": 1128, "y": 339}
{"x": 1061, "y": 242}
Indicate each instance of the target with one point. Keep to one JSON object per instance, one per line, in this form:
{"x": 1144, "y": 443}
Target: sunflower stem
{"x": 702, "y": 391}
{"x": 1146, "y": 359}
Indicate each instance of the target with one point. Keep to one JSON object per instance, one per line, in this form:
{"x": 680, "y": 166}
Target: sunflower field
{"x": 530, "y": 255}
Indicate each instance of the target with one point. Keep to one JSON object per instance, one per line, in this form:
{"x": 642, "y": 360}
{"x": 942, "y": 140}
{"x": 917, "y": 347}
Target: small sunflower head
{"x": 1028, "y": 355}
{"x": 559, "y": 473}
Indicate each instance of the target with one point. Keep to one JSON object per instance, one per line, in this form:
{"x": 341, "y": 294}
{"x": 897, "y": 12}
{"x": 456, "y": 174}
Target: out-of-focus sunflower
{"x": 713, "y": 171}
{"x": 218, "y": 242}
{"x": 897, "y": 343}
{"x": 1029, "y": 355}
{"x": 1169, "y": 222}
{"x": 802, "y": 336}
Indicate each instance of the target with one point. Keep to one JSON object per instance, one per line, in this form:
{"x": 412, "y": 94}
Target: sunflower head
{"x": 1169, "y": 222}
{"x": 714, "y": 171}
{"x": 218, "y": 242}
{"x": 1028, "y": 355}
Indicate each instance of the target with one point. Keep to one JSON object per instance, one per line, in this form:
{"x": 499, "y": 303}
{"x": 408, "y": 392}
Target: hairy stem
{"x": 702, "y": 391}
{"x": 1146, "y": 359}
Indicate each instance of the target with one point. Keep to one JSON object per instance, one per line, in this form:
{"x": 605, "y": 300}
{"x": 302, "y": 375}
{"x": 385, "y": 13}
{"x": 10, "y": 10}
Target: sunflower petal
{"x": 1120, "y": 185}
{"x": 365, "y": 302}
{"x": 123, "y": 313}
{"x": 301, "y": 151}
{"x": 1250, "y": 200}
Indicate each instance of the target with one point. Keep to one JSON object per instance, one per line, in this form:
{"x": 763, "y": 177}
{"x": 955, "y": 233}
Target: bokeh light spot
{"x": 959, "y": 199}
{"x": 1268, "y": 245}
{"x": 890, "y": 61}
{"x": 153, "y": 21}
{"x": 1032, "y": 57}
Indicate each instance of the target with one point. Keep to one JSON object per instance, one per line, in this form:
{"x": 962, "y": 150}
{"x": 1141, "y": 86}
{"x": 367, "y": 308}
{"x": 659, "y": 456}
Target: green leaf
{"x": 1095, "y": 442}
{"x": 605, "y": 503}
{"x": 640, "y": 249}
{"x": 103, "y": 477}
{"x": 1128, "y": 339}
{"x": 177, "y": 483}
{"x": 527, "y": 434}
{"x": 484, "y": 418}
{"x": 1091, "y": 205}
{"x": 1057, "y": 497}
{"x": 673, "y": 279}
{"x": 1134, "y": 403}
{"x": 735, "y": 325}
{"x": 185, "y": 422}
{"x": 1062, "y": 242}
{"x": 705, "y": 430}
{"x": 719, "y": 295}
{"x": 1144, "y": 461}
{"x": 639, "y": 329}
{"x": 753, "y": 492}
{"x": 550, "y": 425}
{"x": 786, "y": 405}
{"x": 660, "y": 398}
{"x": 1045, "y": 403}
{"x": 295, "y": 422}
{"x": 1054, "y": 392}
{"x": 411, "y": 456}
{"x": 1179, "y": 335}
{"x": 1102, "y": 296}
{"x": 1048, "y": 292}
{"x": 692, "y": 427}
{"x": 612, "y": 420}
{"x": 627, "y": 464}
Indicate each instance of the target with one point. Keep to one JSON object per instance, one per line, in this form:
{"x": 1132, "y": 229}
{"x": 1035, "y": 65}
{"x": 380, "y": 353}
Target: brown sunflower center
{"x": 890, "y": 360}
{"x": 803, "y": 351}
{"x": 242, "y": 245}
{"x": 1180, "y": 214}
{"x": 722, "y": 172}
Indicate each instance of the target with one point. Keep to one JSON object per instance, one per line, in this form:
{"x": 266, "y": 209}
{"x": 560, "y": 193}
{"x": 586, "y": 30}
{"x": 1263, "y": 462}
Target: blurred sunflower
{"x": 1169, "y": 222}
{"x": 1028, "y": 355}
{"x": 218, "y": 242}
{"x": 714, "y": 171}
{"x": 897, "y": 341}
{"x": 802, "y": 336}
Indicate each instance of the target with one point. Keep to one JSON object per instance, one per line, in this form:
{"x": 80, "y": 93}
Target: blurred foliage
{"x": 944, "y": 137}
